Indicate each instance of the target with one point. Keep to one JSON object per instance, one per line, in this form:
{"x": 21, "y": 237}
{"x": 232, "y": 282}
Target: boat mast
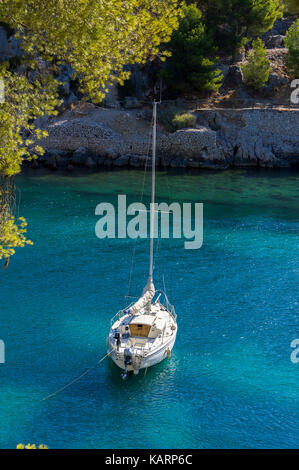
{"x": 152, "y": 209}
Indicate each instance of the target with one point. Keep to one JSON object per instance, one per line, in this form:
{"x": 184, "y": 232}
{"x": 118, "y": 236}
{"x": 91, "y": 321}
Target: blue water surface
{"x": 230, "y": 382}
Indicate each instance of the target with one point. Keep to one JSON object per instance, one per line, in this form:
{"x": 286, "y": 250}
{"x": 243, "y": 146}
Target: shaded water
{"x": 229, "y": 382}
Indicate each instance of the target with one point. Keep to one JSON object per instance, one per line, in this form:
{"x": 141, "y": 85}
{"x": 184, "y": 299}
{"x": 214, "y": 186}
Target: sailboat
{"x": 143, "y": 334}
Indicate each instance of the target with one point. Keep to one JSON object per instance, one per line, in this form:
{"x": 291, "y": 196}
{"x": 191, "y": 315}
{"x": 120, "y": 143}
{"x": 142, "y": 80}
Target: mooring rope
{"x": 77, "y": 378}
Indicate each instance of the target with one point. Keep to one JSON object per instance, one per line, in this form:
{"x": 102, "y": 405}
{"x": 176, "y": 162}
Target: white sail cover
{"x": 147, "y": 295}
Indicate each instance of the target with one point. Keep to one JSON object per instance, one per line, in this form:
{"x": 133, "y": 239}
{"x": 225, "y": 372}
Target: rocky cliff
{"x": 223, "y": 138}
{"x": 255, "y": 137}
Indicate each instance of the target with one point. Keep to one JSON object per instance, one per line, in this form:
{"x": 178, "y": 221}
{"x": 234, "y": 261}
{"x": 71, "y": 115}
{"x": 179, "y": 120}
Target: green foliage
{"x": 12, "y": 230}
{"x": 234, "y": 20}
{"x": 292, "y": 43}
{"x": 31, "y": 446}
{"x": 12, "y": 234}
{"x": 97, "y": 38}
{"x": 292, "y": 6}
{"x": 24, "y": 102}
{"x": 191, "y": 65}
{"x": 257, "y": 69}
{"x": 183, "y": 120}
{"x": 173, "y": 116}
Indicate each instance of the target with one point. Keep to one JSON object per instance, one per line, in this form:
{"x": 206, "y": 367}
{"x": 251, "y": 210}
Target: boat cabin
{"x": 147, "y": 326}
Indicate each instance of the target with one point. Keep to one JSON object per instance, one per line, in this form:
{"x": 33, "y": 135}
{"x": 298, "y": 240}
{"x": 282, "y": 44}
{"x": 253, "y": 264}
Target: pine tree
{"x": 193, "y": 54}
{"x": 257, "y": 69}
{"x": 235, "y": 21}
{"x": 292, "y": 43}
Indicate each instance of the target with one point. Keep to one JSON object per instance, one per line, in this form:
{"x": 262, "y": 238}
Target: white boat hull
{"x": 153, "y": 358}
{"x": 144, "y": 339}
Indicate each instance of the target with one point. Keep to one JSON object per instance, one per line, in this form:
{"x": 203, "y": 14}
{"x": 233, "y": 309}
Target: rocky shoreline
{"x": 91, "y": 137}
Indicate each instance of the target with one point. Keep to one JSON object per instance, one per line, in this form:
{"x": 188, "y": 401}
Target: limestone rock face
{"x": 138, "y": 161}
{"x": 50, "y": 162}
{"x": 256, "y": 137}
{"x": 64, "y": 81}
{"x": 122, "y": 161}
{"x": 71, "y": 100}
{"x": 274, "y": 83}
{"x": 113, "y": 133}
{"x": 222, "y": 138}
{"x": 235, "y": 75}
{"x": 111, "y": 99}
{"x": 178, "y": 163}
{"x": 275, "y": 41}
{"x": 131, "y": 102}
{"x": 188, "y": 142}
{"x": 80, "y": 156}
{"x": 90, "y": 163}
{"x": 9, "y": 47}
{"x": 3, "y": 42}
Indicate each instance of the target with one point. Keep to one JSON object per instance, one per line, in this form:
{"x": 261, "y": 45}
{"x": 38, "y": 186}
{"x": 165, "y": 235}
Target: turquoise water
{"x": 230, "y": 381}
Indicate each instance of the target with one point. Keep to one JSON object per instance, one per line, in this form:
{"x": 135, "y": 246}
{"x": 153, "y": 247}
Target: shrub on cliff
{"x": 292, "y": 43}
{"x": 183, "y": 120}
{"x": 257, "y": 69}
{"x": 191, "y": 65}
{"x": 167, "y": 112}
